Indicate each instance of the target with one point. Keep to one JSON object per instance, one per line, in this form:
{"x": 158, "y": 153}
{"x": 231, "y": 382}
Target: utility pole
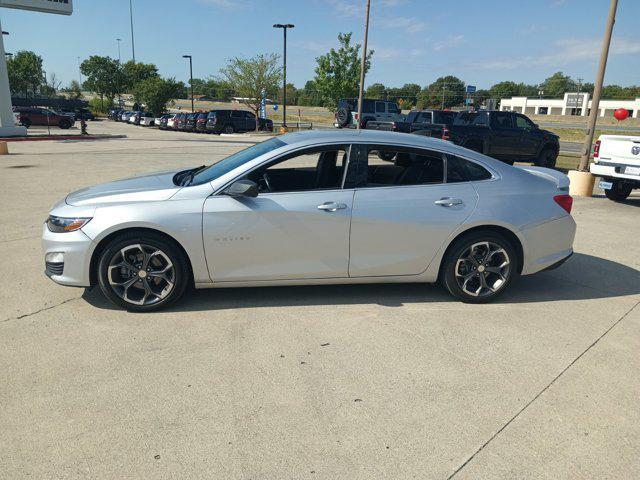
{"x": 363, "y": 64}
{"x": 79, "y": 73}
{"x": 191, "y": 78}
{"x": 444, "y": 86}
{"x": 119, "y": 73}
{"x": 595, "y": 102}
{"x": 284, "y": 28}
{"x": 133, "y": 46}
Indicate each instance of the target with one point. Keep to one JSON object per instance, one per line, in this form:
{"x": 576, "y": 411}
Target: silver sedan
{"x": 315, "y": 208}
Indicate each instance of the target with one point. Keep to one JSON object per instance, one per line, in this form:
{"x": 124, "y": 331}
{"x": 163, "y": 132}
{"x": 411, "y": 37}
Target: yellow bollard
{"x": 4, "y": 148}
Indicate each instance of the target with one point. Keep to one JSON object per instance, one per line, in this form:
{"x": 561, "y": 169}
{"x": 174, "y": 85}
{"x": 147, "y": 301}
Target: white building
{"x": 571, "y": 104}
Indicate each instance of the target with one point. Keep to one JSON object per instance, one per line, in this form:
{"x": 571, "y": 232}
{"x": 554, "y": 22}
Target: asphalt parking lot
{"x": 333, "y": 382}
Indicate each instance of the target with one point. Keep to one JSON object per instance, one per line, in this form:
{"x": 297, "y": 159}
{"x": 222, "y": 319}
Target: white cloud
{"x": 568, "y": 50}
{"x": 227, "y": 4}
{"x": 449, "y": 42}
{"x": 406, "y": 24}
{"x": 385, "y": 53}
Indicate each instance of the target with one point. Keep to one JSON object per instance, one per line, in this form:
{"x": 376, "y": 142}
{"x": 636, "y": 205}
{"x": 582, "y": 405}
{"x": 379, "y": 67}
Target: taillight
{"x": 356, "y": 116}
{"x": 445, "y": 133}
{"x": 596, "y": 149}
{"x": 394, "y": 127}
{"x": 565, "y": 201}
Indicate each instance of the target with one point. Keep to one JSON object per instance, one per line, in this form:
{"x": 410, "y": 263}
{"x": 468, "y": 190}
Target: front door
{"x": 504, "y": 142}
{"x": 405, "y": 211}
{"x": 296, "y": 228}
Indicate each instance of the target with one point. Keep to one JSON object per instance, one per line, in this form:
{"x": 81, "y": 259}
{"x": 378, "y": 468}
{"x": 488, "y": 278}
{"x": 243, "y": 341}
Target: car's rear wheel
{"x": 26, "y": 123}
{"x": 618, "y": 191}
{"x": 479, "y": 266}
{"x": 547, "y": 158}
{"x": 142, "y": 272}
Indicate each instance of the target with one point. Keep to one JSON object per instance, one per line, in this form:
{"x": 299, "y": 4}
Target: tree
{"x": 338, "y": 72}
{"x": 104, "y": 77}
{"x": 73, "y": 91}
{"x": 136, "y": 72}
{"x": 248, "y": 78}
{"x": 308, "y": 96}
{"x": 156, "y": 92}
{"x": 292, "y": 94}
{"x": 558, "y": 84}
{"x": 406, "y": 96}
{"x": 376, "y": 91}
{"x": 445, "y": 92}
{"x": 25, "y": 73}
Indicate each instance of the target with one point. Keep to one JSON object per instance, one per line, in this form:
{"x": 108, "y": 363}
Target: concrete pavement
{"x": 383, "y": 381}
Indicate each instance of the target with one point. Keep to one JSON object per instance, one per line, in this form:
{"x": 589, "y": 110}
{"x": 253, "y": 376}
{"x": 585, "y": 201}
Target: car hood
{"x": 146, "y": 188}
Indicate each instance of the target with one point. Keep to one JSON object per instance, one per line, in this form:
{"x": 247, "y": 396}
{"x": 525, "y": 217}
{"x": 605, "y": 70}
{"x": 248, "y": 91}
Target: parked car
{"x": 171, "y": 121}
{"x": 417, "y": 120}
{"x": 115, "y": 114}
{"x": 16, "y": 119}
{"x": 190, "y": 124}
{"x": 43, "y": 116}
{"x": 616, "y": 160}
{"x": 84, "y": 113}
{"x": 507, "y": 136}
{"x": 230, "y": 121}
{"x": 161, "y": 122}
{"x": 135, "y": 117}
{"x": 372, "y": 110}
{"x": 315, "y": 208}
{"x": 147, "y": 119}
{"x": 125, "y": 116}
{"x": 201, "y": 123}
{"x": 181, "y": 122}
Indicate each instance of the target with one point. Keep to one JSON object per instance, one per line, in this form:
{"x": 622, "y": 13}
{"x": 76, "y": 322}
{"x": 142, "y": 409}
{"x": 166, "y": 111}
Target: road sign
{"x": 62, "y": 7}
{"x": 471, "y": 89}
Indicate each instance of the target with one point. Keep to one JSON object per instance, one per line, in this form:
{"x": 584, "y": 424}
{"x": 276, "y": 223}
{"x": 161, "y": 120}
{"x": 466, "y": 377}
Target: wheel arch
{"x": 102, "y": 244}
{"x": 499, "y": 229}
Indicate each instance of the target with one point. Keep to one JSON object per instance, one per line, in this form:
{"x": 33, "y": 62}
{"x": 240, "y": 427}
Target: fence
{"x": 293, "y": 126}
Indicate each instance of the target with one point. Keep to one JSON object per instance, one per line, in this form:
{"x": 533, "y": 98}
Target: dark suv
{"x": 43, "y": 116}
{"x": 180, "y": 122}
{"x": 230, "y": 121}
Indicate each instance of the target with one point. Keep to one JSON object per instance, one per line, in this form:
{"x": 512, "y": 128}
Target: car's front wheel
{"x": 479, "y": 266}
{"x": 142, "y": 272}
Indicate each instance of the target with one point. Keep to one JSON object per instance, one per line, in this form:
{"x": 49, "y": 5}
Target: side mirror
{"x": 242, "y": 188}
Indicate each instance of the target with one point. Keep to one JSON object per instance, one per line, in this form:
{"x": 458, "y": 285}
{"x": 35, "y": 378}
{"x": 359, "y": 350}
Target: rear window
{"x": 471, "y": 118}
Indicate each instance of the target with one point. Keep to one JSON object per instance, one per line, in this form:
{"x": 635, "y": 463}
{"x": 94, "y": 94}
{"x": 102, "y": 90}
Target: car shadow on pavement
{"x": 583, "y": 277}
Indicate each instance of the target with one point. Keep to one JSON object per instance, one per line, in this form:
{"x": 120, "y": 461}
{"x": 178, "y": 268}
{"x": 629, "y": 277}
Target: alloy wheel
{"x": 482, "y": 269}
{"x": 141, "y": 274}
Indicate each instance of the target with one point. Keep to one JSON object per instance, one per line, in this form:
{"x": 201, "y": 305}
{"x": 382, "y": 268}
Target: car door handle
{"x": 448, "y": 202}
{"x": 332, "y": 206}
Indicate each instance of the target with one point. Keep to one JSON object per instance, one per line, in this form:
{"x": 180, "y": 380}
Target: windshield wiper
{"x": 184, "y": 178}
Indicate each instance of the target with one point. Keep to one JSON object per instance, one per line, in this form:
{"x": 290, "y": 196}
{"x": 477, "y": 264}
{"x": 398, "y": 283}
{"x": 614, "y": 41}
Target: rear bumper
{"x": 612, "y": 171}
{"x": 548, "y": 244}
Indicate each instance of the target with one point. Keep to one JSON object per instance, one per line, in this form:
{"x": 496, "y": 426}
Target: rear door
{"x": 404, "y": 209}
{"x": 504, "y": 140}
{"x": 238, "y": 120}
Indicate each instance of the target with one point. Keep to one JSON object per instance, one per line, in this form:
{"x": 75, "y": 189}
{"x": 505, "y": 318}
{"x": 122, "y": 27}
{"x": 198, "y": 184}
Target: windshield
{"x": 234, "y": 161}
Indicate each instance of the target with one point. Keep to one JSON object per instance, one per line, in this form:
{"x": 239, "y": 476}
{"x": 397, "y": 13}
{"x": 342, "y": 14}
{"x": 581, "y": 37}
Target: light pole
{"x": 284, "y": 28}
{"x": 363, "y": 64}
{"x": 133, "y": 46}
{"x": 119, "y": 40}
{"x": 119, "y": 73}
{"x": 190, "y": 77}
{"x": 79, "y": 73}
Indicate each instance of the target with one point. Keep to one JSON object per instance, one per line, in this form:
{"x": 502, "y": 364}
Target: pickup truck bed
{"x": 616, "y": 159}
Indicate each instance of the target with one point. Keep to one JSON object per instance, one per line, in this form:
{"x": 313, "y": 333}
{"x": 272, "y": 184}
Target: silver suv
{"x": 378, "y": 110}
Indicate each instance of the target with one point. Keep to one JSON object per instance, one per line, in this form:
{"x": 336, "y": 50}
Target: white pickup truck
{"x": 616, "y": 160}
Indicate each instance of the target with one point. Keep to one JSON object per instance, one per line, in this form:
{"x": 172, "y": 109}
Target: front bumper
{"x": 76, "y": 248}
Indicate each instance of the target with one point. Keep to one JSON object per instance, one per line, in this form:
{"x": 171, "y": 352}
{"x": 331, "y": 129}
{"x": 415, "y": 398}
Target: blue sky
{"x": 416, "y": 41}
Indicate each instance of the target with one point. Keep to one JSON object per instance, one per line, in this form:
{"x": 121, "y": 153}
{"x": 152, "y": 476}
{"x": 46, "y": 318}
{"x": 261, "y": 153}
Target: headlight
{"x": 65, "y": 224}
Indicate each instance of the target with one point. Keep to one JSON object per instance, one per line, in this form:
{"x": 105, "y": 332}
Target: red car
{"x": 43, "y": 116}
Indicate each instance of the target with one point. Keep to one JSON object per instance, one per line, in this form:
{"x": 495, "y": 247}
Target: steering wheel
{"x": 267, "y": 182}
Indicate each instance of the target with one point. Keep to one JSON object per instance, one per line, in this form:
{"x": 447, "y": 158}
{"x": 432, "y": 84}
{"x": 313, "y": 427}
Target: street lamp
{"x": 118, "y": 40}
{"x": 284, "y": 28}
{"x": 133, "y": 45}
{"x": 119, "y": 73}
{"x": 191, "y": 78}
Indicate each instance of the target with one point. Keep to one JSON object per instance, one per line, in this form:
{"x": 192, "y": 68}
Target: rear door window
{"x": 380, "y": 107}
{"x": 501, "y": 120}
{"x": 400, "y": 166}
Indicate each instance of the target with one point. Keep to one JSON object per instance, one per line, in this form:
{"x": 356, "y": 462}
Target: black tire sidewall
{"x": 182, "y": 273}
{"x": 228, "y": 129}
{"x": 547, "y": 158}
{"x": 616, "y": 193}
{"x": 64, "y": 124}
{"x": 458, "y": 247}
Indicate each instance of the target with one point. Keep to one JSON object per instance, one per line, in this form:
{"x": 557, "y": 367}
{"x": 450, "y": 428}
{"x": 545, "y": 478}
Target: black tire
{"x": 228, "y": 129}
{"x": 452, "y": 274}
{"x": 26, "y": 123}
{"x": 64, "y": 124}
{"x": 172, "y": 255}
{"x": 547, "y": 158}
{"x": 343, "y": 115}
{"x": 618, "y": 191}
